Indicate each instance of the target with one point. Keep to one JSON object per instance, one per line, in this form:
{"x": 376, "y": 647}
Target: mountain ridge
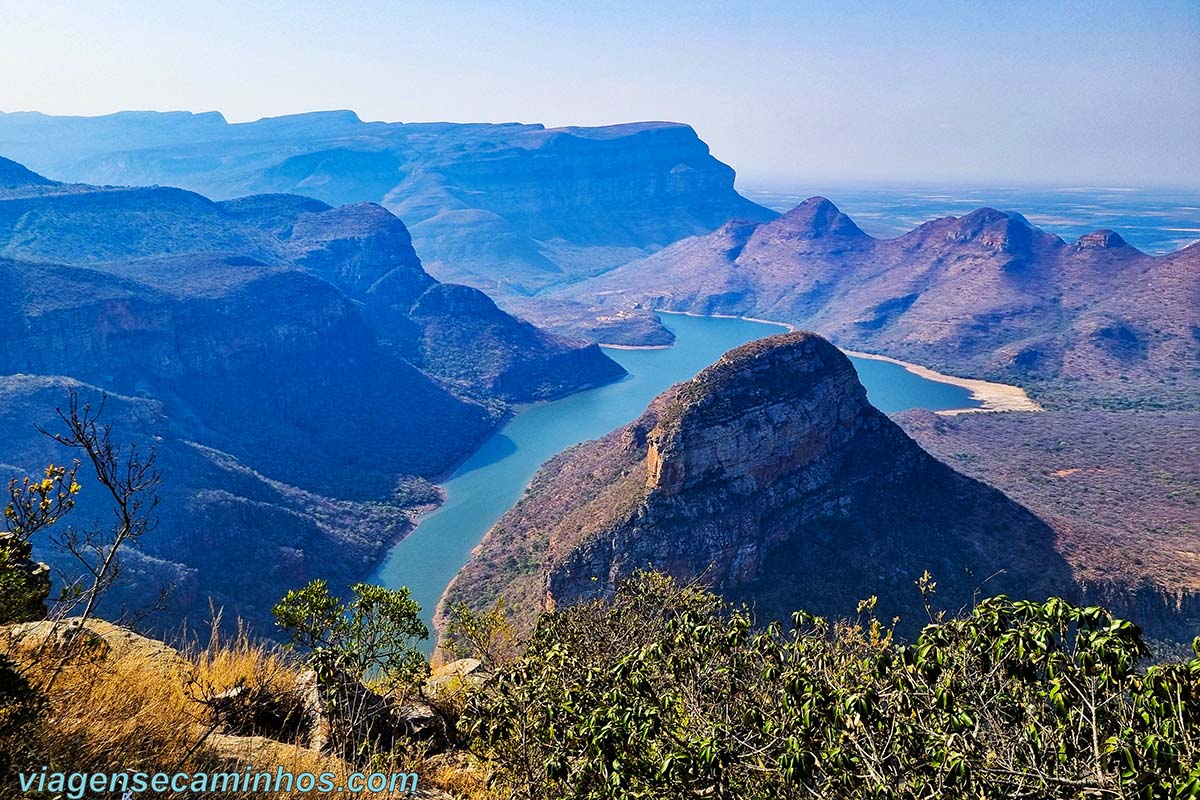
{"x": 291, "y": 359}
{"x": 541, "y": 205}
{"x": 987, "y": 294}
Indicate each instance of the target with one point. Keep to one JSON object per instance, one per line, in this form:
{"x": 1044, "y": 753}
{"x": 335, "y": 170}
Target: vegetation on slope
{"x": 665, "y": 691}
{"x": 659, "y": 690}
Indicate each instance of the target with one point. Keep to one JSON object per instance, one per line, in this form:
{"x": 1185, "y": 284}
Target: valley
{"x": 631, "y": 236}
{"x": 608, "y": 401}
{"x": 494, "y": 477}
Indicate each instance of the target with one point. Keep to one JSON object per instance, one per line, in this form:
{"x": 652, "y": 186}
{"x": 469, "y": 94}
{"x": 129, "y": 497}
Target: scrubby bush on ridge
{"x": 667, "y": 692}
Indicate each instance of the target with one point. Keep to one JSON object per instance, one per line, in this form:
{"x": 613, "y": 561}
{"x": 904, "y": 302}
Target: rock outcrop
{"x": 770, "y": 477}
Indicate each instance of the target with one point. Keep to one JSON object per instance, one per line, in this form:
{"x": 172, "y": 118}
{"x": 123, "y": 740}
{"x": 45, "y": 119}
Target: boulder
{"x": 366, "y": 717}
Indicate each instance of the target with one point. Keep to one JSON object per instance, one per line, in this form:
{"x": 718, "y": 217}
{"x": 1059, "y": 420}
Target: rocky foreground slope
{"x": 300, "y": 371}
{"x": 1093, "y": 322}
{"x": 770, "y": 477}
{"x": 507, "y": 208}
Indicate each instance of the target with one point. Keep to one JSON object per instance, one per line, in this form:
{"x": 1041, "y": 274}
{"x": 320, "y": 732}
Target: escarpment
{"x": 299, "y": 372}
{"x": 509, "y": 209}
{"x": 771, "y": 478}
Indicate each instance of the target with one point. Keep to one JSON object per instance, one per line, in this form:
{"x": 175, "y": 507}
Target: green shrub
{"x": 666, "y": 692}
{"x": 361, "y": 652}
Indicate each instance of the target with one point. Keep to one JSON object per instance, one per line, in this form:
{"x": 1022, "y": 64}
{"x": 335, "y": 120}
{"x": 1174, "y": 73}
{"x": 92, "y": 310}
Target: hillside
{"x": 1093, "y": 322}
{"x": 1120, "y": 490}
{"x": 771, "y": 478}
{"x": 301, "y": 372}
{"x": 147, "y": 234}
{"x": 507, "y": 208}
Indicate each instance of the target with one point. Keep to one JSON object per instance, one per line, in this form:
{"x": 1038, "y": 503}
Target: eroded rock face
{"x": 770, "y": 477}
{"x": 755, "y": 417}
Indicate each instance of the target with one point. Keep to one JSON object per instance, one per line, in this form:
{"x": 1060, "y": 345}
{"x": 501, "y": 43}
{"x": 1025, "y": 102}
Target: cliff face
{"x": 1090, "y": 322}
{"x": 298, "y": 369}
{"x": 183, "y": 244}
{"x": 770, "y": 477}
{"x": 509, "y": 209}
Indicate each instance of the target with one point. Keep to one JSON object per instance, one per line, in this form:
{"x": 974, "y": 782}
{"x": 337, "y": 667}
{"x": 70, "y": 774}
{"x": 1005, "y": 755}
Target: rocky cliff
{"x": 1092, "y": 322}
{"x": 510, "y": 208}
{"x": 181, "y": 244}
{"x": 300, "y": 372}
{"x": 770, "y": 477}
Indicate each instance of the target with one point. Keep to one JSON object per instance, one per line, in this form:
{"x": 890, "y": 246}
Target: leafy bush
{"x": 21, "y": 704}
{"x": 371, "y": 637}
{"x": 362, "y": 653}
{"x": 34, "y": 505}
{"x": 667, "y": 692}
{"x": 488, "y": 635}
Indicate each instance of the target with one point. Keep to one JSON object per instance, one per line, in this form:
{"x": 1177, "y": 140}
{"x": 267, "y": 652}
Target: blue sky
{"x": 1096, "y": 93}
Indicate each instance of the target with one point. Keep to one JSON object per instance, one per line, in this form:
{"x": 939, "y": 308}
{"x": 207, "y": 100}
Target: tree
{"x": 488, "y": 635}
{"x": 130, "y": 478}
{"x": 34, "y": 505}
{"x": 124, "y": 472}
{"x": 367, "y": 641}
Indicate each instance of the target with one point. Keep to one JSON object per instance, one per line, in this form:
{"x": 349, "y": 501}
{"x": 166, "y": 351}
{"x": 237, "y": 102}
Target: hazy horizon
{"x": 1081, "y": 94}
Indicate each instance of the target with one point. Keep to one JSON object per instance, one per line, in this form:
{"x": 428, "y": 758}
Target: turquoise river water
{"x": 492, "y": 479}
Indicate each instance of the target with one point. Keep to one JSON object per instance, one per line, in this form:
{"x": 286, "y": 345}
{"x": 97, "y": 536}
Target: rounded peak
{"x": 815, "y": 206}
{"x": 767, "y": 408}
{"x": 992, "y": 228}
{"x": 989, "y": 214}
{"x": 258, "y": 204}
{"x": 773, "y": 369}
{"x": 454, "y": 299}
{"x": 816, "y": 218}
{"x": 352, "y": 220}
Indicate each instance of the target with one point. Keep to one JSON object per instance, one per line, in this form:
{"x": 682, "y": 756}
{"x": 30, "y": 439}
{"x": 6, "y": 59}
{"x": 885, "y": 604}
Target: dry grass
{"x": 461, "y": 775}
{"x": 132, "y": 704}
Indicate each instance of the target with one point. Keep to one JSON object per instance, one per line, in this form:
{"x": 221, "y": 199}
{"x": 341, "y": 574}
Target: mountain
{"x": 180, "y": 243}
{"x": 770, "y": 477}
{"x": 987, "y": 294}
{"x": 508, "y": 208}
{"x": 225, "y": 532}
{"x": 17, "y": 176}
{"x": 269, "y": 342}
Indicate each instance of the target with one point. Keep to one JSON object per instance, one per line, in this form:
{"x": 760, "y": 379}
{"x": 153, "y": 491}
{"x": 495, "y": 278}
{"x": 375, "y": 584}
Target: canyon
{"x": 771, "y": 478}
{"x": 586, "y": 233}
{"x": 300, "y": 373}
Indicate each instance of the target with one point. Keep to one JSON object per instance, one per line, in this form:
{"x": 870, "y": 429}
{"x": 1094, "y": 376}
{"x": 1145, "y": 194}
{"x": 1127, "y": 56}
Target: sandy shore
{"x": 990, "y": 396}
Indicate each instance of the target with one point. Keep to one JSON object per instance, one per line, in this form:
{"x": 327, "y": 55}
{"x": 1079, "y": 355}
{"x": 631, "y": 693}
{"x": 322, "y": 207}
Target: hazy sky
{"x": 1094, "y": 93}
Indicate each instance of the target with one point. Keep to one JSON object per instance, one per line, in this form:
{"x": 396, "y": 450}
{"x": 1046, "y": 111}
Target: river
{"x": 491, "y": 480}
